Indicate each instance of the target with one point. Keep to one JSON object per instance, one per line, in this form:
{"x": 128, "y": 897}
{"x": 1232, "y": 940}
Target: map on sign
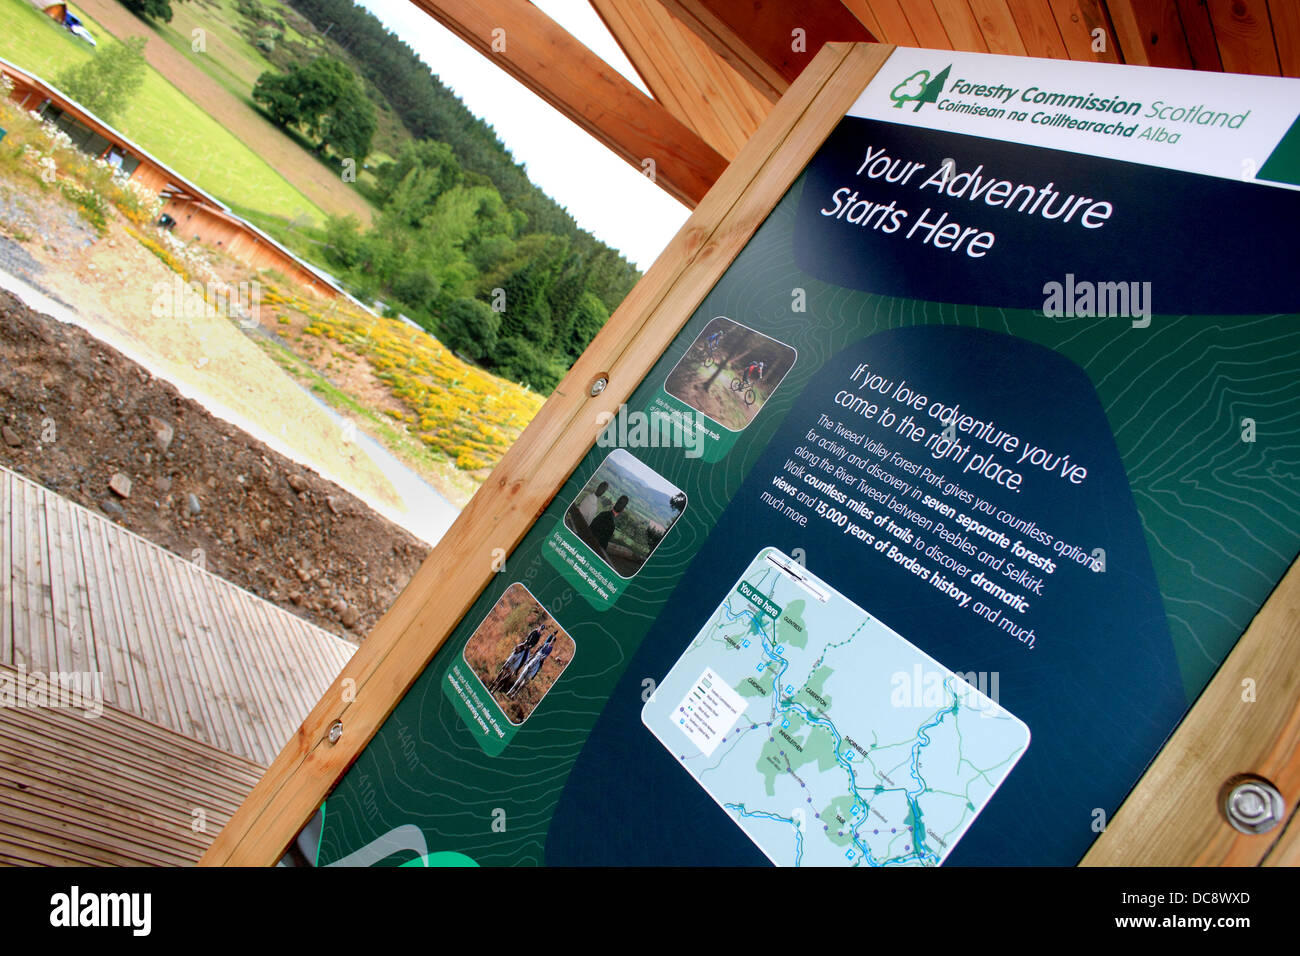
{"x": 826, "y": 736}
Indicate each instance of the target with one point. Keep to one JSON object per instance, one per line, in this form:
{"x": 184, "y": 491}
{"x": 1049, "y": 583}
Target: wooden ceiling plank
{"x": 1285, "y": 15}
{"x": 1076, "y": 19}
{"x": 621, "y": 22}
{"x": 1150, "y": 33}
{"x": 647, "y": 46}
{"x": 1127, "y": 32}
{"x": 960, "y": 25}
{"x": 894, "y": 25}
{"x": 862, "y": 10}
{"x": 1245, "y": 35}
{"x": 661, "y": 65}
{"x": 707, "y": 88}
{"x": 1199, "y": 32}
{"x": 925, "y": 23}
{"x": 538, "y": 52}
{"x": 758, "y": 37}
{"x": 998, "y": 27}
{"x": 752, "y": 107}
{"x": 720, "y": 38}
{"x": 1038, "y": 29}
{"x": 743, "y": 107}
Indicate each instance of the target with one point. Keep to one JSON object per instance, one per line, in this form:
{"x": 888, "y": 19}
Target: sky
{"x": 607, "y": 196}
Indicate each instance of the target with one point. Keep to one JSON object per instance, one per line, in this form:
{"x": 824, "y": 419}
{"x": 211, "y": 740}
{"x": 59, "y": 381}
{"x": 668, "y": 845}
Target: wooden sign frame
{"x": 1171, "y": 818}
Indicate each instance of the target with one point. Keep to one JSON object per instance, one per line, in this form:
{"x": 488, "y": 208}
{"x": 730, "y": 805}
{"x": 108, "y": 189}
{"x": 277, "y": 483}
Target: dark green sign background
{"x": 1220, "y": 516}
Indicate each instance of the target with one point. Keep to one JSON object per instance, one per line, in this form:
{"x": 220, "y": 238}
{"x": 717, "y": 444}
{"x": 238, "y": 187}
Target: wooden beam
{"x": 536, "y": 466}
{"x": 538, "y": 52}
{"x": 684, "y": 74}
{"x": 1172, "y": 818}
{"x": 760, "y": 39}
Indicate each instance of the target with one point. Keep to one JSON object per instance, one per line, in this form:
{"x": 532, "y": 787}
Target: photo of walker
{"x": 518, "y": 653}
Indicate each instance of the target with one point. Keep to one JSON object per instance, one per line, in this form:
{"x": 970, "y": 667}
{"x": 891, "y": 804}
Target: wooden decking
{"x": 111, "y": 790}
{"x": 175, "y": 645}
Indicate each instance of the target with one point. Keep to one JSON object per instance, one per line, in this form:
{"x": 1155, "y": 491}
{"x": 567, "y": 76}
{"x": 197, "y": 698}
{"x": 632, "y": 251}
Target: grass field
{"x": 160, "y": 118}
{"x": 235, "y": 63}
{"x": 232, "y": 61}
{"x": 226, "y": 44}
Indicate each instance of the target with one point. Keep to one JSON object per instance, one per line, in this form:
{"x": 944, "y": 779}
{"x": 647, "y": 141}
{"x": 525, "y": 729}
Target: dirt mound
{"x": 86, "y": 422}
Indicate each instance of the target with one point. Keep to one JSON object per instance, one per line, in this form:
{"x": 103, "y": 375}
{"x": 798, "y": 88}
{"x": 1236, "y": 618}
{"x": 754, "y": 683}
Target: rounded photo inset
{"x": 624, "y": 511}
{"x": 518, "y": 653}
{"x": 729, "y": 372}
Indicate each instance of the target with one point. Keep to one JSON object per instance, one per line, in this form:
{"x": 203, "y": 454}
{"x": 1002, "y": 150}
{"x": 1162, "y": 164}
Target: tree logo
{"x": 919, "y": 88}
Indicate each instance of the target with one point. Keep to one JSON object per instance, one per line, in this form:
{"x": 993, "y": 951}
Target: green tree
{"x": 318, "y": 86}
{"x": 349, "y": 125}
{"x": 105, "y": 83}
{"x": 324, "y": 99}
{"x": 410, "y": 185}
{"x": 470, "y": 327}
{"x": 274, "y": 92}
{"x": 344, "y": 245}
{"x": 150, "y": 9}
{"x": 519, "y": 359}
{"x": 588, "y": 318}
{"x": 415, "y": 287}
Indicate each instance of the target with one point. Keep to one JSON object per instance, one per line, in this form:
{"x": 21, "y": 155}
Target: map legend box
{"x": 708, "y": 712}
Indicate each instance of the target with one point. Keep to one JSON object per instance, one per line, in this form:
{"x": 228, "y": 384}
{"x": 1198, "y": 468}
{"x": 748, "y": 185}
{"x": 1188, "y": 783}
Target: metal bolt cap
{"x": 1254, "y": 806}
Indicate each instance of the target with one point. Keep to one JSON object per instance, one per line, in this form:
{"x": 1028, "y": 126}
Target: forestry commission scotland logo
{"x": 919, "y": 88}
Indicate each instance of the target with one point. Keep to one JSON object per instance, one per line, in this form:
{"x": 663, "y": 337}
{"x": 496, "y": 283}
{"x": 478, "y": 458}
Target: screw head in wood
{"x": 598, "y": 386}
{"x": 1254, "y": 805}
{"x": 336, "y": 731}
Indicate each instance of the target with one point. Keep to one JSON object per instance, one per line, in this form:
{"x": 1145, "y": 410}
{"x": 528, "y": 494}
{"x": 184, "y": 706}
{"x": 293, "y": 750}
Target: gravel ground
{"x": 83, "y": 420}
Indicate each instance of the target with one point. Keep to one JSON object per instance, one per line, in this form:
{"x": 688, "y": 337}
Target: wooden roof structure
{"x": 716, "y": 67}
